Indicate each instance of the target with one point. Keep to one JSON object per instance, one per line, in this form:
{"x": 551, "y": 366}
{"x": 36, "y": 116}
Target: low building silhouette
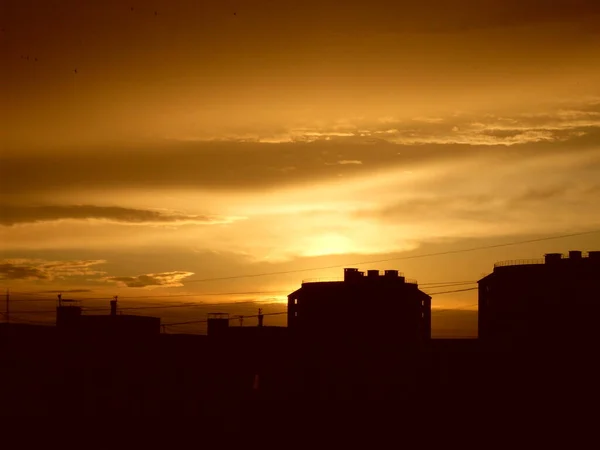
{"x": 219, "y": 327}
{"x": 70, "y": 321}
{"x": 361, "y": 308}
{"x": 217, "y": 324}
{"x": 544, "y": 303}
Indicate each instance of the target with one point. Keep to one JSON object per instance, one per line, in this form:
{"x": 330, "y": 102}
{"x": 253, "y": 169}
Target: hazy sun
{"x": 328, "y": 244}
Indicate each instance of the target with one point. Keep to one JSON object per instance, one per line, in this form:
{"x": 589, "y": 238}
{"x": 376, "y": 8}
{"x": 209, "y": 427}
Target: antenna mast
{"x": 7, "y": 306}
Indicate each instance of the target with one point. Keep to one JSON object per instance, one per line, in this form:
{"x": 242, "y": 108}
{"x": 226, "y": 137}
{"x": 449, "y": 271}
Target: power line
{"x": 454, "y": 309}
{"x": 449, "y": 283}
{"x": 425, "y": 255}
{"x": 51, "y": 299}
{"x": 434, "y": 293}
{"x": 159, "y": 305}
{"x": 197, "y": 305}
{"x": 207, "y": 294}
{"x": 230, "y": 318}
{"x": 445, "y": 286}
{"x": 199, "y": 321}
{"x": 190, "y": 322}
{"x": 184, "y": 305}
{"x": 400, "y": 258}
{"x": 166, "y": 296}
{"x": 46, "y": 294}
{"x": 456, "y": 290}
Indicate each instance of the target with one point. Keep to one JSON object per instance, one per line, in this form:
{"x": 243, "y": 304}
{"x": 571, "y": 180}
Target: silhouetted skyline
{"x": 180, "y": 181}
{"x": 150, "y": 145}
{"x": 318, "y": 370}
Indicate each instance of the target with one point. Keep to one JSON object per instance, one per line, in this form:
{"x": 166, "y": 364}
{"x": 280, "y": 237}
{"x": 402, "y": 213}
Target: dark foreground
{"x": 238, "y": 383}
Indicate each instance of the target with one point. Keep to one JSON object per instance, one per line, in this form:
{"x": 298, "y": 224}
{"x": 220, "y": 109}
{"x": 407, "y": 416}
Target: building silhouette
{"x": 217, "y": 324}
{"x": 545, "y": 303}
{"x": 361, "y": 308}
{"x": 70, "y": 321}
{"x": 218, "y": 327}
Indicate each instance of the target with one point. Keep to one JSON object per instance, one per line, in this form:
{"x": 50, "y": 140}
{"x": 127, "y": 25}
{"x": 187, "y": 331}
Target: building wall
{"x": 543, "y": 305}
{"x": 360, "y": 309}
{"x": 105, "y": 325}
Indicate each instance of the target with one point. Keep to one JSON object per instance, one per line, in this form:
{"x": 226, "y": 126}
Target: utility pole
{"x": 7, "y": 306}
{"x": 113, "y": 306}
{"x": 260, "y": 317}
{"x": 241, "y": 319}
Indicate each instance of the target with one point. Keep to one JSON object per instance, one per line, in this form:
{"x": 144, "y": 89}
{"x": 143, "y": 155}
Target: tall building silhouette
{"x": 544, "y": 303}
{"x": 361, "y": 308}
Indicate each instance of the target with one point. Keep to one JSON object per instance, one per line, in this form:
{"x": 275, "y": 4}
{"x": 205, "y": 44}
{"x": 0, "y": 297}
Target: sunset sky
{"x": 144, "y": 150}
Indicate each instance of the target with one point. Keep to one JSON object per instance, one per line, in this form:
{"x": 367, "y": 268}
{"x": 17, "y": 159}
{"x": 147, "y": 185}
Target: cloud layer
{"x": 304, "y": 155}
{"x": 38, "y": 269}
{"x": 165, "y": 279}
{"x": 15, "y": 214}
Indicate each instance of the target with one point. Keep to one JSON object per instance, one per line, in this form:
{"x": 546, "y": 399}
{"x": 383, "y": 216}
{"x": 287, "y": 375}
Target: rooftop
{"x": 353, "y": 275}
{"x": 553, "y": 258}
{"x": 519, "y": 262}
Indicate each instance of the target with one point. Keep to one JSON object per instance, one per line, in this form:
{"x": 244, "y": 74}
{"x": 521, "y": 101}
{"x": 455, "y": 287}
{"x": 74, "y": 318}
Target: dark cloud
{"x": 541, "y": 194}
{"x": 217, "y": 166}
{"x": 311, "y": 16}
{"x": 491, "y": 207}
{"x": 14, "y": 214}
{"x": 69, "y": 291}
{"x": 37, "y": 269}
{"x": 502, "y": 134}
{"x": 451, "y": 16}
{"x": 314, "y": 154}
{"x": 9, "y": 271}
{"x": 212, "y": 165}
{"x": 170, "y": 279}
{"x": 476, "y": 207}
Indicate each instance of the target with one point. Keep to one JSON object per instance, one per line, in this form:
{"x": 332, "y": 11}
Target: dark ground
{"x": 178, "y": 375}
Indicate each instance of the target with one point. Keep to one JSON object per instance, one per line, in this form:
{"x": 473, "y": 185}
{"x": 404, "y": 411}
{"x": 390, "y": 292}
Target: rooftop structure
{"x": 71, "y": 321}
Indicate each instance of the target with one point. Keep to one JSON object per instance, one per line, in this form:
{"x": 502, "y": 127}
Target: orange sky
{"x": 194, "y": 143}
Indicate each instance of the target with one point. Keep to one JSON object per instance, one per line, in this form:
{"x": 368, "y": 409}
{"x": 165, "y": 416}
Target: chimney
{"x": 113, "y": 307}
{"x": 575, "y": 254}
{"x": 373, "y": 273}
{"x": 260, "y": 317}
{"x": 551, "y": 258}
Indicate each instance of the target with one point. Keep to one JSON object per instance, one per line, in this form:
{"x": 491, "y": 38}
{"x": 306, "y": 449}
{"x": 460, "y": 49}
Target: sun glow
{"x": 328, "y": 244}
